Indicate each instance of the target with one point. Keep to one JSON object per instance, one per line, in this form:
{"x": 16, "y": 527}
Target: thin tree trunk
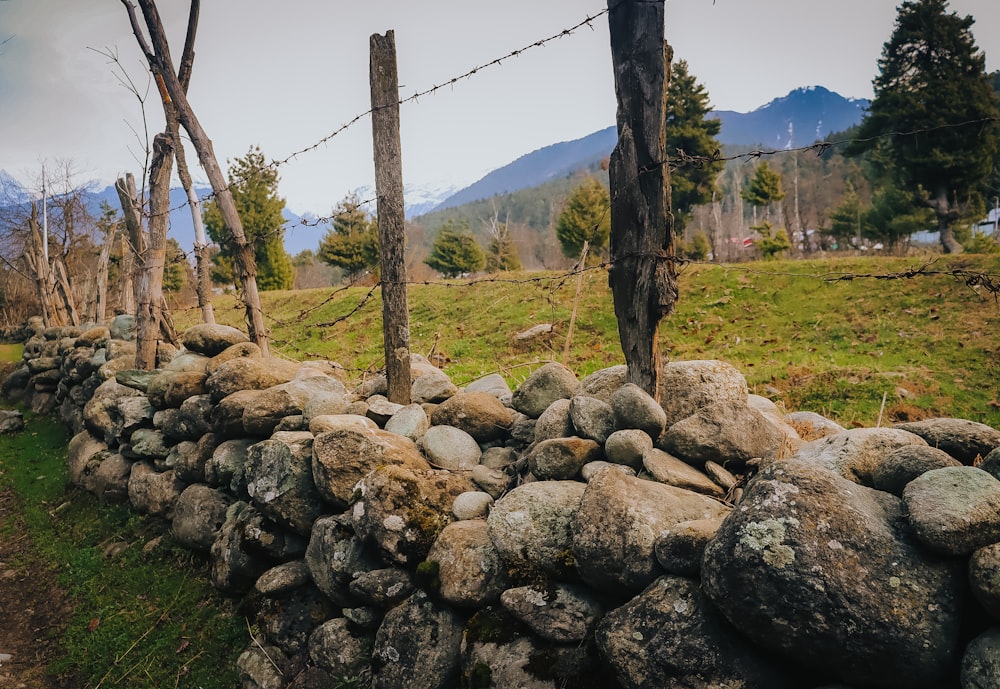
{"x": 150, "y": 285}
{"x": 945, "y": 216}
{"x": 643, "y": 275}
{"x": 101, "y": 298}
{"x": 136, "y": 240}
{"x": 244, "y": 265}
{"x": 389, "y": 192}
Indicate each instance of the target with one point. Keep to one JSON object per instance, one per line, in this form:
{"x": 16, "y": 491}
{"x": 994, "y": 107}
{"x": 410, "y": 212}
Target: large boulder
{"x": 401, "y": 509}
{"x": 615, "y": 529}
{"x": 857, "y": 454}
{"x": 954, "y": 510}
{"x": 634, "y": 408}
{"x": 246, "y": 373}
{"x": 199, "y": 514}
{"x": 470, "y": 571}
{"x": 343, "y": 457}
{"x": 211, "y": 339}
{"x": 687, "y": 386}
{"x": 532, "y": 527}
{"x": 729, "y": 433}
{"x": 544, "y": 386}
{"x": 562, "y": 458}
{"x": 278, "y": 475}
{"x": 964, "y": 440}
{"x": 829, "y": 574}
{"x": 170, "y": 388}
{"x": 562, "y": 613}
{"x": 479, "y": 414}
{"x": 152, "y": 492}
{"x": 335, "y": 556}
{"x": 264, "y": 411}
{"x": 418, "y": 646}
{"x": 671, "y": 636}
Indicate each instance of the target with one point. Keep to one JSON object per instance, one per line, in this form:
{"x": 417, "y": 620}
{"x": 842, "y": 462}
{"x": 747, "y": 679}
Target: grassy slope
{"x": 811, "y": 343}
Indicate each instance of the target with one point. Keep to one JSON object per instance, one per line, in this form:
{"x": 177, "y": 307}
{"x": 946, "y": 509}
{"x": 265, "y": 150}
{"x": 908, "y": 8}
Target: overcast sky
{"x": 285, "y": 75}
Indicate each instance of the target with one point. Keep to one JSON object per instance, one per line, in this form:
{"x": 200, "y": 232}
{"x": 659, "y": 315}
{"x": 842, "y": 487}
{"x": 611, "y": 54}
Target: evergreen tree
{"x": 935, "y": 110}
{"x": 352, "y": 243}
{"x": 771, "y": 242}
{"x": 585, "y": 217}
{"x": 175, "y": 272}
{"x": 847, "y": 219}
{"x": 764, "y": 188}
{"x": 893, "y": 217}
{"x": 501, "y": 254}
{"x": 456, "y": 251}
{"x": 691, "y": 133}
{"x": 254, "y": 186}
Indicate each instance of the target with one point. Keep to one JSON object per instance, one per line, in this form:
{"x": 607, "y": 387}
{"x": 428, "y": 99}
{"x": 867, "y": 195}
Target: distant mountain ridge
{"x": 800, "y": 118}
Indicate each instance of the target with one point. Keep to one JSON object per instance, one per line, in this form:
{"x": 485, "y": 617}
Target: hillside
{"x": 928, "y": 344}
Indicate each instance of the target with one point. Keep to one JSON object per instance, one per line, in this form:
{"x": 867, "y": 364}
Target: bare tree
{"x": 157, "y": 52}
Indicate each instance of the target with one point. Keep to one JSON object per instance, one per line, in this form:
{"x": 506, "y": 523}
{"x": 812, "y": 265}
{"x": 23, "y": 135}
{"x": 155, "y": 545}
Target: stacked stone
{"x": 568, "y": 533}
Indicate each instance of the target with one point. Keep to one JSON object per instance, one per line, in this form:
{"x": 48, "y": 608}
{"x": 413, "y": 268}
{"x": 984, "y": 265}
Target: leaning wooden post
{"x": 643, "y": 275}
{"x": 391, "y": 233}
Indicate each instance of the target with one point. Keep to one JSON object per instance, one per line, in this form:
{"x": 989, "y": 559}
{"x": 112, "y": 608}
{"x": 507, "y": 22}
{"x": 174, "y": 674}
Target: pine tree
{"x": 585, "y": 217}
{"x": 456, "y": 251}
{"x": 352, "y": 243}
{"x": 764, "y": 188}
{"x": 935, "y": 110}
{"x": 254, "y": 186}
{"x": 690, "y": 133}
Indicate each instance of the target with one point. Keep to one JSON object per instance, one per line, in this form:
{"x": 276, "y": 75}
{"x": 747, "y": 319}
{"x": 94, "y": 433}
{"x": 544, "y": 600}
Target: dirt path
{"x": 33, "y": 611}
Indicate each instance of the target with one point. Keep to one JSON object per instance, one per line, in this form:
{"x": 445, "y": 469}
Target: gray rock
{"x": 469, "y": 569}
{"x": 954, "y": 510}
{"x": 151, "y": 492}
{"x": 188, "y": 361}
{"x": 410, "y": 421}
{"x": 627, "y": 447}
{"x": 243, "y": 373}
{"x": 544, "y": 386}
{"x": 122, "y": 328}
{"x": 679, "y": 548}
{"x": 667, "y": 469}
{"x": 592, "y": 469}
{"x": 327, "y": 423}
{"x": 104, "y": 402}
{"x": 433, "y": 385}
{"x": 342, "y": 458}
{"x": 592, "y": 418}
{"x": 671, "y": 636}
{"x": 260, "y": 667}
{"x": 857, "y": 453}
{"x": 382, "y": 588}
{"x": 227, "y": 462}
{"x": 334, "y": 557}
{"x": 83, "y": 458}
{"x": 531, "y": 526}
{"x": 561, "y": 459}
{"x": 418, "y": 646}
{"x": 110, "y": 480}
{"x": 241, "y": 350}
{"x": 498, "y": 457}
{"x": 554, "y": 422}
{"x": 169, "y": 389}
{"x": 234, "y": 569}
{"x": 494, "y": 384}
{"x": 634, "y": 408}
{"x": 288, "y": 621}
{"x": 522, "y": 430}
{"x": 189, "y": 459}
{"x": 524, "y": 662}
{"x": 991, "y": 463}
{"x": 479, "y": 414}
{"x": 402, "y": 510}
{"x": 494, "y": 482}
{"x": 199, "y": 514}
{"x": 964, "y": 440}
{"x": 264, "y": 411}
{"x": 278, "y": 475}
{"x": 11, "y": 421}
{"x": 984, "y": 578}
{"x": 472, "y": 505}
{"x": 981, "y": 662}
{"x": 603, "y": 383}
{"x": 227, "y": 417}
{"x": 193, "y": 418}
{"x": 798, "y": 519}
{"x": 211, "y": 339}
{"x": 337, "y": 649}
{"x": 729, "y": 433}
{"x": 380, "y": 409}
{"x": 282, "y": 579}
{"x": 688, "y": 386}
{"x": 452, "y": 448}
{"x": 907, "y": 463}
{"x": 147, "y": 443}
{"x": 563, "y": 613}
{"x": 615, "y": 529}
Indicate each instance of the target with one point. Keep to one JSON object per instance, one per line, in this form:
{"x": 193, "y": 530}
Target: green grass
{"x": 834, "y": 347}
{"x": 145, "y": 616}
{"x": 11, "y": 353}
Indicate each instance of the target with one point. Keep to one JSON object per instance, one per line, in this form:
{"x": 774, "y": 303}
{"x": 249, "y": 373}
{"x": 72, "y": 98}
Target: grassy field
{"x": 801, "y": 334}
{"x": 142, "y": 613}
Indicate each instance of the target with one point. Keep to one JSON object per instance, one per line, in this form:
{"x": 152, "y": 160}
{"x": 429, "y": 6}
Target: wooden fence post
{"x": 391, "y": 232}
{"x": 643, "y": 275}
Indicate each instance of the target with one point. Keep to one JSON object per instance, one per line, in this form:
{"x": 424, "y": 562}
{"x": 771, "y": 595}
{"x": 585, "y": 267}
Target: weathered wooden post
{"x": 391, "y": 232}
{"x": 643, "y": 275}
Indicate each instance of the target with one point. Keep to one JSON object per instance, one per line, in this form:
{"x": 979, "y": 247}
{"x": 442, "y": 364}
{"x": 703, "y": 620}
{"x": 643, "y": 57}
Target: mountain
{"x": 803, "y": 116}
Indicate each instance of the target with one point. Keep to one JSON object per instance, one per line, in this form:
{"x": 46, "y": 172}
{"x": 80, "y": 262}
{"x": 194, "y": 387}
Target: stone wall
{"x": 571, "y": 533}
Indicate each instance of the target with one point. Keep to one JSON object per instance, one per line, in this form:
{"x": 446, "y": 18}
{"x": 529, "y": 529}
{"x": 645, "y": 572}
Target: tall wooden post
{"x": 643, "y": 275}
{"x": 391, "y": 233}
